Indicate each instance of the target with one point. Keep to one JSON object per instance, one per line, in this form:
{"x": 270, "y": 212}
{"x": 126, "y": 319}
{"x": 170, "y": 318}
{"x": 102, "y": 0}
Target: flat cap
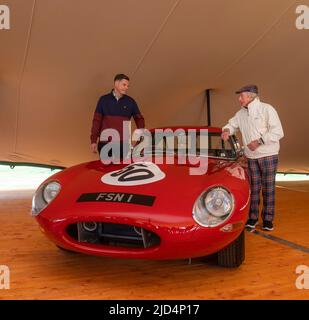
{"x": 248, "y": 88}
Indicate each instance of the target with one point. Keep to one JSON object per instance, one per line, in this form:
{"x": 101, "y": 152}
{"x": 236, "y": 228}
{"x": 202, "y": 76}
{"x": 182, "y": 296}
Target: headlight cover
{"x": 213, "y": 207}
{"x": 44, "y": 196}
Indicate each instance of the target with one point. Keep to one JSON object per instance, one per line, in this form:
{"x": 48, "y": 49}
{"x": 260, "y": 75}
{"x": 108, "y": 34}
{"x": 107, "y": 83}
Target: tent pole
{"x": 208, "y": 107}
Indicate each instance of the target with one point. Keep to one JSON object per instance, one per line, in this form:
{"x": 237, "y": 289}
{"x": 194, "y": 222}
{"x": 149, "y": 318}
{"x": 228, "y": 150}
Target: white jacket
{"x": 260, "y": 120}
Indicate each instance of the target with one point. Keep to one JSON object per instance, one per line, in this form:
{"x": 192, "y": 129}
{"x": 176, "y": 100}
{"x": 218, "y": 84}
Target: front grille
{"x": 113, "y": 234}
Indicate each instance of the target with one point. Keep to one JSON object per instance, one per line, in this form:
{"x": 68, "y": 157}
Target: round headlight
{"x": 43, "y": 196}
{"x": 213, "y": 207}
{"x": 218, "y": 202}
{"x": 50, "y": 191}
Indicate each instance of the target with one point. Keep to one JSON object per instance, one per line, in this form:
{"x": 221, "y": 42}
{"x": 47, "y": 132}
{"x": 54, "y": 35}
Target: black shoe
{"x": 251, "y": 223}
{"x": 268, "y": 226}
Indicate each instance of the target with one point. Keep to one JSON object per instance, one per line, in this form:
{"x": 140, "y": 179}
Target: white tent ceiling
{"x": 60, "y": 55}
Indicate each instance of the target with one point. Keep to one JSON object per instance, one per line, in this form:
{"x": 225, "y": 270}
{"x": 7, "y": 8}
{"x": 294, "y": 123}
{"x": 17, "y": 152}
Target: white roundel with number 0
{"x": 135, "y": 174}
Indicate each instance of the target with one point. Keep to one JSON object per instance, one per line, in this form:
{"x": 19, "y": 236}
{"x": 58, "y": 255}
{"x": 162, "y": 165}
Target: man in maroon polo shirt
{"x": 112, "y": 110}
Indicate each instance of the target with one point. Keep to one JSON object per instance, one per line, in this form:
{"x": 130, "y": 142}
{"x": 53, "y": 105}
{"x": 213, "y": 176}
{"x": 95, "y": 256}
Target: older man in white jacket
{"x": 261, "y": 131}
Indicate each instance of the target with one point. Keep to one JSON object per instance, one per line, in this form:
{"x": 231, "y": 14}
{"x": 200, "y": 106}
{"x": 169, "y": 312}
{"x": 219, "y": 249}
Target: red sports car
{"x": 153, "y": 208}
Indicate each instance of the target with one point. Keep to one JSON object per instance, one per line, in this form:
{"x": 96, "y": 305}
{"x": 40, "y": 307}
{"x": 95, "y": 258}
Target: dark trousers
{"x": 262, "y": 174}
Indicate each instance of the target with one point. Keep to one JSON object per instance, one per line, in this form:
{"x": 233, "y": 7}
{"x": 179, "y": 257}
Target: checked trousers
{"x": 262, "y": 174}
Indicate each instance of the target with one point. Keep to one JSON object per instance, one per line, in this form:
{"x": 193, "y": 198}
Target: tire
{"x": 233, "y": 255}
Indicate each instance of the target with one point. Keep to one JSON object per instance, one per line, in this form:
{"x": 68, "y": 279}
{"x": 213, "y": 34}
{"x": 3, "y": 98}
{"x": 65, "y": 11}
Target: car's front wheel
{"x": 234, "y": 254}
